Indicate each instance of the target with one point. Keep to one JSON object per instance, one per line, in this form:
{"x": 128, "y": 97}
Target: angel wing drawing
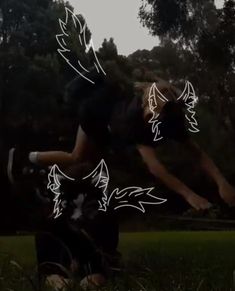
{"x": 64, "y": 50}
{"x": 135, "y": 197}
{"x": 190, "y": 99}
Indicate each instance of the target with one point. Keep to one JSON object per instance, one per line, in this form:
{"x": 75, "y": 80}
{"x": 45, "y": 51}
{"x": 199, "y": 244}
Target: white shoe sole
{"x": 10, "y": 164}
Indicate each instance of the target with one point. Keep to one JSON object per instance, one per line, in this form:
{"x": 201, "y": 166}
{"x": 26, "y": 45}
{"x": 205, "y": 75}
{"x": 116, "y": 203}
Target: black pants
{"x": 61, "y": 243}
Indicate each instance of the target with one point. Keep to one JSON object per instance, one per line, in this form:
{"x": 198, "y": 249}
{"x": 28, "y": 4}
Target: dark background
{"x": 197, "y": 43}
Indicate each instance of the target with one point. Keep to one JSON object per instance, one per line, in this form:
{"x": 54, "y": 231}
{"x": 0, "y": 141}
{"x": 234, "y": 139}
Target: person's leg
{"x": 226, "y": 191}
{"x": 84, "y": 149}
{"x": 63, "y": 159}
{"x": 85, "y": 255}
{"x": 50, "y": 251}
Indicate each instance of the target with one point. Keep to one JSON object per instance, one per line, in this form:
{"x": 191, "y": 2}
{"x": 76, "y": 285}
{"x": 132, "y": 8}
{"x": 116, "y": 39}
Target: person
{"x": 82, "y": 240}
{"x": 111, "y": 115}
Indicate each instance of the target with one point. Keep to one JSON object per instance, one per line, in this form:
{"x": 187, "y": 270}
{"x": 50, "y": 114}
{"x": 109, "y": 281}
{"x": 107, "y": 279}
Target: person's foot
{"x": 14, "y": 168}
{"x": 18, "y": 165}
{"x": 57, "y": 282}
{"x": 92, "y": 282}
{"x": 227, "y": 193}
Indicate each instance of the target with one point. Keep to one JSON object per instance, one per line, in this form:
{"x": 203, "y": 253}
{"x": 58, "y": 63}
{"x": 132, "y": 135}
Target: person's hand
{"x": 227, "y": 193}
{"x": 198, "y": 202}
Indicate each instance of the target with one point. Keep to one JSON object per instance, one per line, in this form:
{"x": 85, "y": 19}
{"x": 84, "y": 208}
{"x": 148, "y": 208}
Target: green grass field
{"x": 153, "y": 261}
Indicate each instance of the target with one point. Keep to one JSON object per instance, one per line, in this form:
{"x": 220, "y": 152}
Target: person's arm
{"x": 205, "y": 162}
{"x": 157, "y": 169}
{"x": 226, "y": 191}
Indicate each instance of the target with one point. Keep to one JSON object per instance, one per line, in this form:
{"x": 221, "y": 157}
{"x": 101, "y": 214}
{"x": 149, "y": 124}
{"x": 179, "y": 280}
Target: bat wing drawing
{"x": 135, "y": 197}
{"x": 54, "y": 178}
{"x": 190, "y": 99}
{"x": 100, "y": 178}
{"x": 64, "y": 38}
{"x": 155, "y": 96}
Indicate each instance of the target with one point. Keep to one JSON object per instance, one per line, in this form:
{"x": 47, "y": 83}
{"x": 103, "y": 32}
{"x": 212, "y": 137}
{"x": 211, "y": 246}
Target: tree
{"x": 206, "y": 36}
{"x": 32, "y": 74}
{"x": 108, "y": 50}
{"x": 179, "y": 20}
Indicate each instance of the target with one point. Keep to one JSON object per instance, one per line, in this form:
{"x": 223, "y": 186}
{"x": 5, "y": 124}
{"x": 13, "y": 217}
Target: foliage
{"x": 206, "y": 36}
{"x": 32, "y": 75}
{"x": 108, "y": 50}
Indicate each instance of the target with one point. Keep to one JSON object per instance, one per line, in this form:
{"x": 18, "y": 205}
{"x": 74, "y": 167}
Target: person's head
{"x": 160, "y": 100}
{"x": 154, "y": 96}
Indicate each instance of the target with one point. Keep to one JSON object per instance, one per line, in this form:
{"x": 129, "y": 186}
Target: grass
{"x": 161, "y": 261}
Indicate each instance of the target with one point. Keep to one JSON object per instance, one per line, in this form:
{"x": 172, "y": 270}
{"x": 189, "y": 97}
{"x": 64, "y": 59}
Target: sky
{"x": 117, "y": 19}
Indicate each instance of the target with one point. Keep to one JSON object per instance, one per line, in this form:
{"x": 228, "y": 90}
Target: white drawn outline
{"x": 100, "y": 177}
{"x": 190, "y": 100}
{"x": 187, "y": 96}
{"x": 54, "y": 177}
{"x": 63, "y": 46}
{"x": 135, "y": 197}
{"x": 152, "y": 101}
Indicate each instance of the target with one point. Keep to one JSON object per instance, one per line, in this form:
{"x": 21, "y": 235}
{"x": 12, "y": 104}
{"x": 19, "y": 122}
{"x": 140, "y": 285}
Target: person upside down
{"x": 114, "y": 112}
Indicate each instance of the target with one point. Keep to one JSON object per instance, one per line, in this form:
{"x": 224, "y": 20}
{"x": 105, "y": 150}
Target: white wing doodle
{"x": 134, "y": 197}
{"x": 100, "y": 178}
{"x": 63, "y": 41}
{"x": 190, "y": 99}
{"x": 155, "y": 94}
{"x": 54, "y": 177}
